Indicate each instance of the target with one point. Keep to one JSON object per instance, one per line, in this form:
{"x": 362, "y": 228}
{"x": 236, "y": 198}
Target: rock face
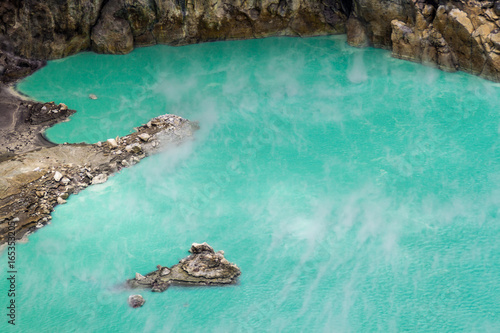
{"x": 48, "y": 29}
{"x": 451, "y": 35}
{"x": 204, "y": 266}
{"x": 13, "y": 67}
{"x": 52, "y": 29}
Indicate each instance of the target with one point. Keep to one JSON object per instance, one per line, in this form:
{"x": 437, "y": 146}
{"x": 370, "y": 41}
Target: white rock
{"x": 112, "y": 143}
{"x": 92, "y": 96}
{"x": 99, "y": 179}
{"x": 60, "y": 200}
{"x": 144, "y": 136}
{"x": 139, "y": 276}
{"x": 134, "y": 148}
{"x": 164, "y": 271}
{"x": 63, "y": 106}
{"x": 57, "y": 176}
{"x": 65, "y": 181}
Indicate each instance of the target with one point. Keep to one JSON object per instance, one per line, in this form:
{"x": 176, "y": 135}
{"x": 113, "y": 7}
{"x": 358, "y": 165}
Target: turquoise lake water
{"x": 356, "y": 192}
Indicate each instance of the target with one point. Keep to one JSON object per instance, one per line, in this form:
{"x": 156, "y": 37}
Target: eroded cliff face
{"x": 48, "y": 29}
{"x": 57, "y": 28}
{"x": 451, "y": 35}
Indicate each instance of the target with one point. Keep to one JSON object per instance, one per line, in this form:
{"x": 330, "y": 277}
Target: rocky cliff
{"x": 450, "y": 34}
{"x": 52, "y": 29}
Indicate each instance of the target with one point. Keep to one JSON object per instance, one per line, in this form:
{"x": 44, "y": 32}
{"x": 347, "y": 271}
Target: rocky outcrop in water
{"x": 451, "y": 35}
{"x": 34, "y": 182}
{"x": 136, "y": 301}
{"x": 53, "y": 29}
{"x": 203, "y": 267}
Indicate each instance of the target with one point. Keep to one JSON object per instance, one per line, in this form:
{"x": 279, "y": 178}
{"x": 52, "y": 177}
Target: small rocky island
{"x": 203, "y": 267}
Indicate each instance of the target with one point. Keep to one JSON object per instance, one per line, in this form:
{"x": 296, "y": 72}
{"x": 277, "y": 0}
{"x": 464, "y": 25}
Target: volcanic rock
{"x": 203, "y": 267}
{"x": 136, "y": 301}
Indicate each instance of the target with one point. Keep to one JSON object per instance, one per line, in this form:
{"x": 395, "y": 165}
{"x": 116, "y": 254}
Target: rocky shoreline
{"x": 36, "y": 175}
{"x": 33, "y": 183}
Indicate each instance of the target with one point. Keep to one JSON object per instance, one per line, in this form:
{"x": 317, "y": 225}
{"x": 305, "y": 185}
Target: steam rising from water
{"x": 355, "y": 191}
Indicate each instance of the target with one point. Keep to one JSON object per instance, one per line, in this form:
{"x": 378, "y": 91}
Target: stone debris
{"x": 60, "y": 200}
{"x": 92, "y": 96}
{"x": 112, "y": 143}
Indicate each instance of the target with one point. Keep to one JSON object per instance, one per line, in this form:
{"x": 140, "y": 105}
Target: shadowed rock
{"x": 204, "y": 266}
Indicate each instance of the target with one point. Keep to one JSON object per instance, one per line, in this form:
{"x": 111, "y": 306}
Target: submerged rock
{"x": 136, "y": 301}
{"x": 204, "y": 266}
